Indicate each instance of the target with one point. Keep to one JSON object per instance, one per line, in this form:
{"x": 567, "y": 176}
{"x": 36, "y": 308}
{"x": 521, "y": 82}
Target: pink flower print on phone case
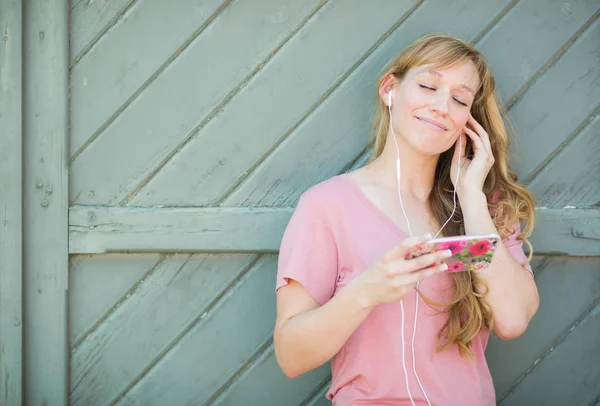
{"x": 454, "y": 246}
{"x": 456, "y": 266}
{"x": 480, "y": 248}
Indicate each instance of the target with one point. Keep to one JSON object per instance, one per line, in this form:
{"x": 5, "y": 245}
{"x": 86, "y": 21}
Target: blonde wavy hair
{"x": 508, "y": 201}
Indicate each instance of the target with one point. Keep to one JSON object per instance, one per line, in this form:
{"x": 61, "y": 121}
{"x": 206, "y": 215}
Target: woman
{"x": 346, "y": 291}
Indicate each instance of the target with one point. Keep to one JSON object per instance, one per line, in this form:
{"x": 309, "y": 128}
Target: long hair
{"x": 508, "y": 201}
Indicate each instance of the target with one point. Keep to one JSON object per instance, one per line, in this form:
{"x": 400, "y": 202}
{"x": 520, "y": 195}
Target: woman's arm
{"x": 512, "y": 294}
{"x": 308, "y": 335}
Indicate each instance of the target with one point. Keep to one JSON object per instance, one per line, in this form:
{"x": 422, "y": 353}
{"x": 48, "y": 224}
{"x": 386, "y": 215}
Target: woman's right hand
{"x": 392, "y": 276}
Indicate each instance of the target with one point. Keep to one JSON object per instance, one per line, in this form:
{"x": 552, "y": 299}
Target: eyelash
{"x": 431, "y": 88}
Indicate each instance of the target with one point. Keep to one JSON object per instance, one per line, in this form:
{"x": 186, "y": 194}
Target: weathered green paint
{"x": 11, "y": 213}
{"x": 45, "y": 208}
{"x": 236, "y": 108}
{"x": 568, "y": 287}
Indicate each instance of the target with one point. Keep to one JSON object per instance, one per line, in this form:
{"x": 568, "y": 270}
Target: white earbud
{"x": 389, "y": 101}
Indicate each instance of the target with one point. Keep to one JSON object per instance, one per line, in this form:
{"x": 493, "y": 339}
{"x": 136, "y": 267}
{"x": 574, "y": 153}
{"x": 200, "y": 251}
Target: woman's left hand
{"x": 472, "y": 171}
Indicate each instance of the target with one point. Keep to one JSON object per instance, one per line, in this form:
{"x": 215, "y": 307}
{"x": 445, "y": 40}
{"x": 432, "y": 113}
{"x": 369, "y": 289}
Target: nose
{"x": 440, "y": 104}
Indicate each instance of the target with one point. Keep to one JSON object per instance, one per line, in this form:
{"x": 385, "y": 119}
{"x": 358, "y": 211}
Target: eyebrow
{"x": 436, "y": 73}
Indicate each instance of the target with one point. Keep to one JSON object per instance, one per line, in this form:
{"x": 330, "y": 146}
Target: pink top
{"x": 335, "y": 233}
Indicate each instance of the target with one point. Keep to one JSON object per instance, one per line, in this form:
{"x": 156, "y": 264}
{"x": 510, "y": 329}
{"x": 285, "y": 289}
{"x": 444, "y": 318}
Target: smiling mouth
{"x": 432, "y": 124}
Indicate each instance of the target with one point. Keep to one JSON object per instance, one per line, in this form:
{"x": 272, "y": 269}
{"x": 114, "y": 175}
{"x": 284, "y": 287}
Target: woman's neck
{"x": 417, "y": 170}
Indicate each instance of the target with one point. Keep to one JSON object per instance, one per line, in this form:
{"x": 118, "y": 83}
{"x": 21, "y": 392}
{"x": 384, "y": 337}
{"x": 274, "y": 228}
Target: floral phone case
{"x": 469, "y": 252}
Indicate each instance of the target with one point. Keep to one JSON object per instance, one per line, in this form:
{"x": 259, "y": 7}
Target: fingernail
{"x": 448, "y": 253}
{"x": 428, "y": 236}
{"x": 443, "y": 267}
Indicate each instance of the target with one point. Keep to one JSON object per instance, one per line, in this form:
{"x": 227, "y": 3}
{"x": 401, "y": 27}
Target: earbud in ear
{"x": 389, "y": 101}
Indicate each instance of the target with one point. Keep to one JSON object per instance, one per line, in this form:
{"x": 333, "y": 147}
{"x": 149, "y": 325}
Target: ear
{"x": 387, "y": 85}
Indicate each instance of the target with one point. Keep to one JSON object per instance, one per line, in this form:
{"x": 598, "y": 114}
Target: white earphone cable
{"x": 399, "y": 177}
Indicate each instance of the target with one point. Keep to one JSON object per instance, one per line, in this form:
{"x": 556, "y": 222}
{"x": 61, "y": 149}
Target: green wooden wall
{"x": 151, "y": 154}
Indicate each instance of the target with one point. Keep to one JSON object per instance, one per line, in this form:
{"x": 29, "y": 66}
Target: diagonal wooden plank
{"x": 122, "y": 229}
{"x": 564, "y": 182}
{"x": 337, "y": 130}
{"x": 250, "y": 387}
{"x": 556, "y": 105}
{"x": 215, "y": 159}
{"x": 319, "y": 397}
{"x": 113, "y": 277}
{"x": 567, "y": 287}
{"x": 514, "y": 49}
{"x": 213, "y": 349}
{"x": 143, "y": 328}
{"x": 569, "y": 373}
{"x": 11, "y": 203}
{"x": 186, "y": 96}
{"x": 129, "y": 58}
{"x": 90, "y": 20}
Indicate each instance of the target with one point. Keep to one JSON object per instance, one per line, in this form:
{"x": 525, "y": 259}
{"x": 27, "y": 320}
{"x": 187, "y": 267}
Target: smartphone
{"x": 469, "y": 252}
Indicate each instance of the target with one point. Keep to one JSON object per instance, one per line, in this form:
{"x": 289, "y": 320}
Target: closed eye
{"x": 434, "y": 89}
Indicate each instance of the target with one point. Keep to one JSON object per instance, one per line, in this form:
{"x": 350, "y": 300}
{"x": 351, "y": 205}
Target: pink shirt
{"x": 335, "y": 233}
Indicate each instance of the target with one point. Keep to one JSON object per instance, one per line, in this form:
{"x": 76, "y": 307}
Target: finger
{"x": 477, "y": 142}
{"x": 414, "y": 277}
{"x": 400, "y": 250}
{"x": 416, "y": 264}
{"x": 460, "y": 148}
{"x": 479, "y": 130}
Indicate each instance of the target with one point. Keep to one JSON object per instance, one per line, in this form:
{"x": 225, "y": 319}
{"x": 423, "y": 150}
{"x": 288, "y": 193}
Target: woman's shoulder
{"x": 325, "y": 196}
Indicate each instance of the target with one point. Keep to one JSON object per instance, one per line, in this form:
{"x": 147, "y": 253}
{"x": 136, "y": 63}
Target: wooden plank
{"x": 98, "y": 283}
{"x": 187, "y": 94}
{"x": 306, "y": 156}
{"x": 319, "y": 398}
{"x": 573, "y": 177}
{"x": 146, "y": 325}
{"x": 569, "y": 375}
{"x": 574, "y": 232}
{"x": 131, "y": 54}
{"x": 123, "y": 229}
{"x": 92, "y": 19}
{"x": 273, "y": 102}
{"x": 250, "y": 388}
{"x": 529, "y": 36}
{"x": 558, "y": 103}
{"x": 11, "y": 190}
{"x": 211, "y": 352}
{"x": 567, "y": 287}
{"x": 45, "y": 202}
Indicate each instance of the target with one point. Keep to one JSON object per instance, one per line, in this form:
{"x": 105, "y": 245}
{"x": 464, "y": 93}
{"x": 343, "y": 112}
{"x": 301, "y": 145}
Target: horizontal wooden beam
{"x": 100, "y": 229}
{"x": 141, "y": 229}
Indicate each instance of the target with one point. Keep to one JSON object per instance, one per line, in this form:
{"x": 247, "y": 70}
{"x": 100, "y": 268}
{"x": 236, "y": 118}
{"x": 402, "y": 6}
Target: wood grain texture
{"x": 557, "y": 103}
{"x": 249, "y": 388}
{"x": 128, "y": 56}
{"x": 90, "y": 20}
{"x": 572, "y": 178}
{"x": 183, "y": 98}
{"x": 273, "y": 102}
{"x": 337, "y": 131}
{"x": 574, "y": 232}
{"x": 567, "y": 287}
{"x": 45, "y": 197}
{"x": 529, "y": 36}
{"x": 98, "y": 283}
{"x": 569, "y": 374}
{"x": 121, "y": 229}
{"x": 145, "y": 326}
{"x": 211, "y": 352}
{"x": 11, "y": 212}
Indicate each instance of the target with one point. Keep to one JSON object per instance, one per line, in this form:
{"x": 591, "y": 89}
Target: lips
{"x": 436, "y": 124}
